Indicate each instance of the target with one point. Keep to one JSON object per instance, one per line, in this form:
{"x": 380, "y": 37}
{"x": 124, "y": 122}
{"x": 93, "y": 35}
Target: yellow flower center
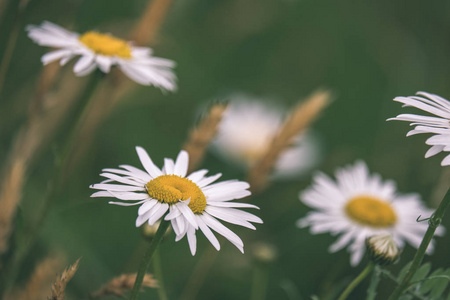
{"x": 171, "y": 189}
{"x": 371, "y": 211}
{"x": 106, "y": 44}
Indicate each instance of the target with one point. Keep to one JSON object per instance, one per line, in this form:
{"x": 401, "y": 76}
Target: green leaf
{"x": 372, "y": 290}
{"x": 421, "y": 273}
{"x": 403, "y": 272}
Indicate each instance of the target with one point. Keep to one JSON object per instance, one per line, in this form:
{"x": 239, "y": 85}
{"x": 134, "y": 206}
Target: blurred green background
{"x": 366, "y": 52}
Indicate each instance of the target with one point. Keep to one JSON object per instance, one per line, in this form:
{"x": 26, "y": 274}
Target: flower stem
{"x": 433, "y": 224}
{"x": 260, "y": 280}
{"x": 145, "y": 263}
{"x": 159, "y": 276}
{"x": 367, "y": 270}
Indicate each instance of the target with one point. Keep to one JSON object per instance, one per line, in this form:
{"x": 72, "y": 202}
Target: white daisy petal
{"x": 169, "y": 166}
{"x": 188, "y": 214}
{"x": 83, "y": 63}
{"x": 55, "y": 55}
{"x": 104, "y": 63}
{"x": 146, "y": 207}
{"x": 207, "y": 232}
{"x": 228, "y": 217}
{"x": 192, "y": 240}
{"x": 116, "y": 187}
{"x": 181, "y": 164}
{"x": 232, "y": 204}
{"x": 207, "y": 180}
{"x": 129, "y": 196}
{"x": 126, "y": 203}
{"x": 224, "y": 231}
{"x": 147, "y": 163}
{"x": 439, "y": 126}
{"x": 198, "y": 175}
{"x": 136, "y": 172}
{"x": 158, "y": 214}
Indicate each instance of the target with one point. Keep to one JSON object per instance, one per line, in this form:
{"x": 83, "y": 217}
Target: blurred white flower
{"x": 103, "y": 51}
{"x": 247, "y": 129}
{"x": 359, "y": 205}
{"x": 439, "y": 126}
{"x": 192, "y": 202}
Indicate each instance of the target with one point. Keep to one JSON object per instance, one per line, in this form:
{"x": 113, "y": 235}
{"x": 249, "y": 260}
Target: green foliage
{"x": 372, "y": 290}
{"x": 424, "y": 284}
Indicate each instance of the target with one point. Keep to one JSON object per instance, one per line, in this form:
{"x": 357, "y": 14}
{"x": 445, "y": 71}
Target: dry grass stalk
{"x": 123, "y": 283}
{"x": 201, "y": 136}
{"x": 59, "y": 286}
{"x": 300, "y": 119}
{"x": 150, "y": 22}
{"x": 37, "y": 286}
{"x": 11, "y": 193}
{"x": 46, "y": 113}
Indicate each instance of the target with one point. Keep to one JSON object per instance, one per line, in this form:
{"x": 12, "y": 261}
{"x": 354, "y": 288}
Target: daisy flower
{"x": 359, "y": 205}
{"x": 246, "y": 131}
{"x": 103, "y": 51}
{"x": 439, "y": 125}
{"x": 189, "y": 202}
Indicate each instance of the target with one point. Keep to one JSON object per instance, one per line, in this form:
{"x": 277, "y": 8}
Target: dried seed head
{"x": 125, "y": 282}
{"x": 59, "y": 286}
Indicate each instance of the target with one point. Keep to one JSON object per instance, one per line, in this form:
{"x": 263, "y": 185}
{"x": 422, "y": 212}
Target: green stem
{"x": 433, "y": 224}
{"x": 159, "y": 275}
{"x": 367, "y": 270}
{"x": 26, "y": 239}
{"x": 260, "y": 279}
{"x": 145, "y": 263}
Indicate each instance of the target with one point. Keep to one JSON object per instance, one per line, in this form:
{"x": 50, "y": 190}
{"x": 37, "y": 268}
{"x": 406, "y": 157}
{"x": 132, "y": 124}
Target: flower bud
{"x": 382, "y": 249}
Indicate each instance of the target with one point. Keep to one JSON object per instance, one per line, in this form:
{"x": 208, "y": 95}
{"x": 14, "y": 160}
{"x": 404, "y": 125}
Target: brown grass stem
{"x": 301, "y": 119}
{"x": 201, "y": 136}
{"x": 150, "y": 22}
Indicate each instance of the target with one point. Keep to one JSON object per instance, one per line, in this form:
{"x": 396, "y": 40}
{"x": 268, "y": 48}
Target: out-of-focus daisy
{"x": 193, "y": 202}
{"x": 359, "y": 205}
{"x": 439, "y": 125}
{"x": 103, "y": 51}
{"x": 247, "y": 129}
